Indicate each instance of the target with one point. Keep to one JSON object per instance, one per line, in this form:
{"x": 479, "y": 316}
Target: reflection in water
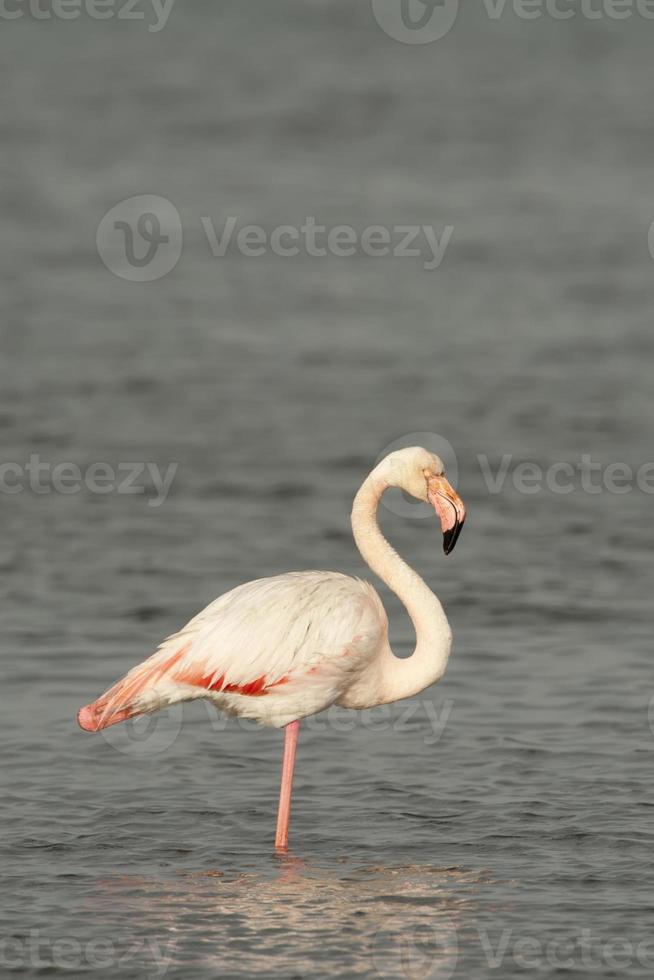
{"x": 393, "y": 921}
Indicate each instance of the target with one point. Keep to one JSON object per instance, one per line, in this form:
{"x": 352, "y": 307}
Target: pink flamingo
{"x": 282, "y": 648}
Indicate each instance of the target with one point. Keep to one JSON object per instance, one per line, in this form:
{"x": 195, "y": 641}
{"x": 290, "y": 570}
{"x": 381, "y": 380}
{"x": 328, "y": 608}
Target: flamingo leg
{"x": 291, "y": 732}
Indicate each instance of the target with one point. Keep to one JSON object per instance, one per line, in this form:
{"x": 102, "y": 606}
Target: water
{"x": 509, "y": 807}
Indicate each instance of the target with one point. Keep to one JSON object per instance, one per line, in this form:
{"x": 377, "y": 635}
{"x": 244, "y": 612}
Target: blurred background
{"x": 510, "y": 803}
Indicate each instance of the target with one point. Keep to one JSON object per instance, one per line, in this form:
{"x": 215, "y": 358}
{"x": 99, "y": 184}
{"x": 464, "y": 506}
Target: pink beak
{"x": 449, "y": 507}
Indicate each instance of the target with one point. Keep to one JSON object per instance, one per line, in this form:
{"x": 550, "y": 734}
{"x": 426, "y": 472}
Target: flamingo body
{"x": 274, "y": 650}
{"x": 279, "y": 649}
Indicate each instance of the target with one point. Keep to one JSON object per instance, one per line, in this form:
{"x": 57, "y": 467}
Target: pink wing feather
{"x": 251, "y": 642}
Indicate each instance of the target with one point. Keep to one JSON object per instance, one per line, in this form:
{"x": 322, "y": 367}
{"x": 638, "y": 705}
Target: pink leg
{"x": 291, "y": 732}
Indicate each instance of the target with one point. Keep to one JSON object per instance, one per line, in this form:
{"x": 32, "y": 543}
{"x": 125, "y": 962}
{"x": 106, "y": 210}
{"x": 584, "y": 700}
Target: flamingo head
{"x": 421, "y": 474}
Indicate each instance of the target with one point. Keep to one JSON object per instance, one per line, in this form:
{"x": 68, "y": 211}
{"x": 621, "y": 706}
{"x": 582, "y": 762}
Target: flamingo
{"x": 282, "y": 648}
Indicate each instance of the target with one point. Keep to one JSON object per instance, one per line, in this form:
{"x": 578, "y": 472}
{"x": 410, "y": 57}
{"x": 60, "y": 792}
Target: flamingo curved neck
{"x": 401, "y": 678}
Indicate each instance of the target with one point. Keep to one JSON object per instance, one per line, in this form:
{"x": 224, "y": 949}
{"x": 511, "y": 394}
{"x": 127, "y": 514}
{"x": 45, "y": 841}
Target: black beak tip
{"x": 450, "y": 538}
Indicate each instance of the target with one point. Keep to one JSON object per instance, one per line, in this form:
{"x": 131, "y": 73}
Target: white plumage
{"x": 281, "y": 648}
{"x": 304, "y": 636}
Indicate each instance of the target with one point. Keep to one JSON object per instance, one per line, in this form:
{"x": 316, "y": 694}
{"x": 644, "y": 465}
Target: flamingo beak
{"x": 449, "y": 507}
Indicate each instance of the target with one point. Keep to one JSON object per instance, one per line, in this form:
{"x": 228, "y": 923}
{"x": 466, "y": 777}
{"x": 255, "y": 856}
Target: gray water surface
{"x": 510, "y": 806}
